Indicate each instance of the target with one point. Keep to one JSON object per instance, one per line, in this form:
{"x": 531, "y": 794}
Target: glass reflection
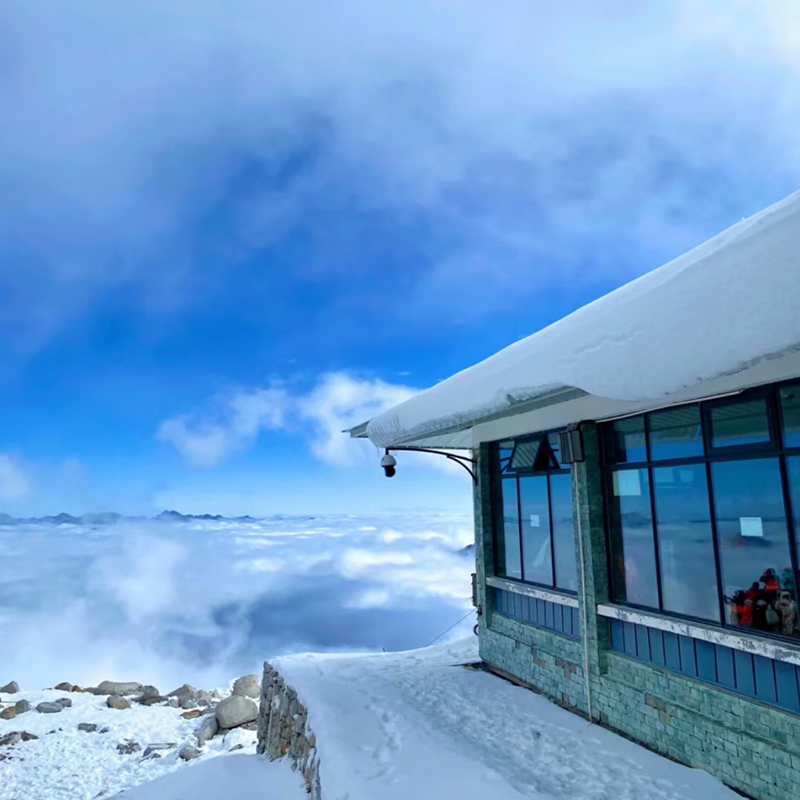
{"x": 564, "y": 532}
{"x": 537, "y": 561}
{"x": 625, "y": 440}
{"x": 738, "y": 424}
{"x": 790, "y": 408}
{"x": 631, "y": 533}
{"x": 676, "y": 433}
{"x": 758, "y": 581}
{"x": 685, "y": 543}
{"x": 509, "y": 562}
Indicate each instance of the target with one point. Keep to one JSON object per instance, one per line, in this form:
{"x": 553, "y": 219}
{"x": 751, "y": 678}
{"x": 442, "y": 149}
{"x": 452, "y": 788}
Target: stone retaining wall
{"x": 283, "y": 730}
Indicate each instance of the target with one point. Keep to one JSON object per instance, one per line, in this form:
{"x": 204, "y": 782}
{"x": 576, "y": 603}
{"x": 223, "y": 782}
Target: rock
{"x": 151, "y": 701}
{"x": 120, "y": 703}
{"x": 8, "y": 713}
{"x": 187, "y": 702}
{"x": 104, "y": 730}
{"x": 15, "y": 737}
{"x": 193, "y": 714}
{"x": 77, "y": 688}
{"x": 64, "y": 687}
{"x": 189, "y": 753}
{"x": 235, "y": 711}
{"x": 22, "y": 706}
{"x": 207, "y": 730}
{"x": 10, "y": 688}
{"x": 150, "y": 691}
{"x": 174, "y": 702}
{"x": 49, "y": 708}
{"x": 239, "y": 746}
{"x": 28, "y": 737}
{"x": 64, "y": 702}
{"x": 154, "y": 750}
{"x": 250, "y": 726}
{"x": 247, "y": 686}
{"x": 129, "y": 747}
{"x": 87, "y": 727}
{"x": 118, "y": 688}
{"x": 187, "y": 690}
{"x": 204, "y": 698}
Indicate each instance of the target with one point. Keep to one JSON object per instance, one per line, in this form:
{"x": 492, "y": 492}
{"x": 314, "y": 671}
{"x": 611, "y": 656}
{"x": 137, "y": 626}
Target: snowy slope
{"x": 728, "y": 303}
{"x": 414, "y": 726}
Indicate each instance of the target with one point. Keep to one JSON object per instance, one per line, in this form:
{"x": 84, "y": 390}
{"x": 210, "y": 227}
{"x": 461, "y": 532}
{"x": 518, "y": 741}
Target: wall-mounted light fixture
{"x": 571, "y": 445}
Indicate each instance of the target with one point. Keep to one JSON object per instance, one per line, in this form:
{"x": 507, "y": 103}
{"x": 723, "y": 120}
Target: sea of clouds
{"x": 205, "y": 601}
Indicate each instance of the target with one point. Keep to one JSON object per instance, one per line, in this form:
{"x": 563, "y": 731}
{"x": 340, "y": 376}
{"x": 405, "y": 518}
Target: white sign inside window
{"x": 626, "y": 483}
{"x": 535, "y": 521}
{"x": 751, "y": 526}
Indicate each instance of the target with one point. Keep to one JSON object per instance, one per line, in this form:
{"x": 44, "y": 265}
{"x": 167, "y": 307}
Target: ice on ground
{"x": 723, "y": 306}
{"x": 234, "y": 777}
{"x": 417, "y": 726}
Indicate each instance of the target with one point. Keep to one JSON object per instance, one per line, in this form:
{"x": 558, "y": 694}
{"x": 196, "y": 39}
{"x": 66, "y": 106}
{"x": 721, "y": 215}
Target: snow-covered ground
{"x": 417, "y": 726}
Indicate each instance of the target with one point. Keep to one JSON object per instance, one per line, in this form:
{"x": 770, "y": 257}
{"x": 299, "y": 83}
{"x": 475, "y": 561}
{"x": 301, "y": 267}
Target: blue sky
{"x": 227, "y": 230}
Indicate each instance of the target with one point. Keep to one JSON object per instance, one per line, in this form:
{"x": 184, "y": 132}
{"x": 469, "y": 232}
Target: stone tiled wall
{"x": 753, "y": 747}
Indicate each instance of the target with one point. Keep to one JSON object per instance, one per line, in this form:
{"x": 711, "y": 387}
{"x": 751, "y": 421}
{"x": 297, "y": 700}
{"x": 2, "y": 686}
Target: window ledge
{"x": 551, "y": 595}
{"x": 757, "y": 645}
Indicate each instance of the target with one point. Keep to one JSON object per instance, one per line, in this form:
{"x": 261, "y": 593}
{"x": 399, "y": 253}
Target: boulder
{"x": 8, "y": 713}
{"x": 10, "y": 688}
{"x": 120, "y": 703}
{"x": 151, "y": 701}
{"x": 15, "y": 737}
{"x": 128, "y": 747}
{"x": 64, "y": 687}
{"x": 149, "y": 691}
{"x": 189, "y": 753}
{"x": 119, "y": 688}
{"x": 247, "y": 686}
{"x": 174, "y": 702}
{"x": 87, "y": 727}
{"x": 207, "y": 729}
{"x": 187, "y": 702}
{"x": 187, "y": 690}
{"x": 193, "y": 714}
{"x": 64, "y": 702}
{"x": 235, "y": 711}
{"x": 204, "y": 698}
{"x": 49, "y": 708}
{"x": 22, "y": 706}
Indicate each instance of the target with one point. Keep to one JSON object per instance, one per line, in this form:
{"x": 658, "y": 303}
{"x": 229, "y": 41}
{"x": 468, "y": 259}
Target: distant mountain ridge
{"x": 111, "y": 518}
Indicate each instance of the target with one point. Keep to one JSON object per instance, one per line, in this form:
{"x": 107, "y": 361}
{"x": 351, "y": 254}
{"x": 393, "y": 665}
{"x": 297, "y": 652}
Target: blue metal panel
{"x": 617, "y": 637}
{"x": 642, "y": 643}
{"x": 745, "y": 675}
{"x": 706, "y": 661}
{"x": 725, "y": 671}
{"x": 550, "y": 614}
{"x": 786, "y": 683}
{"x": 541, "y": 613}
{"x": 576, "y": 622}
{"x": 558, "y": 617}
{"x": 500, "y": 601}
{"x": 630, "y": 639}
{"x": 765, "y": 679}
{"x": 672, "y": 651}
{"x": 657, "y": 647}
{"x": 688, "y": 659}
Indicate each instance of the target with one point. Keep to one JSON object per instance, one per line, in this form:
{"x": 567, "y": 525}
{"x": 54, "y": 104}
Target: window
{"x": 534, "y": 533}
{"x": 703, "y": 510}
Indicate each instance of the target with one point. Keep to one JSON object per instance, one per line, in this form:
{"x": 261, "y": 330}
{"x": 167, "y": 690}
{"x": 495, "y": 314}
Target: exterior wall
{"x": 750, "y": 745}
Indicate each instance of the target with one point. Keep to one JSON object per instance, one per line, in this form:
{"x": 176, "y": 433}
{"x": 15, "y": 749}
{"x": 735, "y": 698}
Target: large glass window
{"x": 703, "y": 507}
{"x": 685, "y": 541}
{"x": 535, "y": 540}
{"x": 631, "y": 531}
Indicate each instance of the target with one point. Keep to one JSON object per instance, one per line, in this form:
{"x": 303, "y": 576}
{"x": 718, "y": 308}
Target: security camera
{"x": 389, "y": 462}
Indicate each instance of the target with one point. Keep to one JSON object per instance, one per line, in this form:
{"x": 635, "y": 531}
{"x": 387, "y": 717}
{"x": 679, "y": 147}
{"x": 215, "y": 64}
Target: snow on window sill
{"x": 552, "y": 595}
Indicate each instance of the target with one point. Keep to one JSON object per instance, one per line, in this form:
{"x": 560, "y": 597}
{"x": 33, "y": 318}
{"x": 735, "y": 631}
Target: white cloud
{"x": 14, "y": 482}
{"x": 239, "y": 420}
{"x": 338, "y": 400}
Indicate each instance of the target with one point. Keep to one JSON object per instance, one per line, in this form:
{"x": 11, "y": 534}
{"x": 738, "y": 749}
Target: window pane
{"x": 563, "y": 532}
{"x": 754, "y": 545}
{"x": 737, "y": 424}
{"x": 625, "y": 440}
{"x": 676, "y": 433}
{"x": 508, "y": 556}
{"x": 537, "y": 562}
{"x": 555, "y": 446}
{"x": 793, "y": 469}
{"x": 504, "y": 450}
{"x": 685, "y": 544}
{"x": 790, "y": 405}
{"x": 525, "y": 454}
{"x": 631, "y": 531}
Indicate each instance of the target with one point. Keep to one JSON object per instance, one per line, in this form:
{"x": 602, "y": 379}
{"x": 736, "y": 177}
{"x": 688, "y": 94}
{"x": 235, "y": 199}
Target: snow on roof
{"x": 716, "y": 310}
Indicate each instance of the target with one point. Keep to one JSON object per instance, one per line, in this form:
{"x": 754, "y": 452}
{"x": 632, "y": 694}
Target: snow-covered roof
{"x": 720, "y": 308}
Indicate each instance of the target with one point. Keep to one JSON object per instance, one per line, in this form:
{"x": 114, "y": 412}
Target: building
{"x": 637, "y": 504}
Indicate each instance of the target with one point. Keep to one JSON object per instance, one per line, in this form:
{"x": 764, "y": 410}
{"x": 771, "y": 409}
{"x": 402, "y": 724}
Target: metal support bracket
{"x": 464, "y": 461}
